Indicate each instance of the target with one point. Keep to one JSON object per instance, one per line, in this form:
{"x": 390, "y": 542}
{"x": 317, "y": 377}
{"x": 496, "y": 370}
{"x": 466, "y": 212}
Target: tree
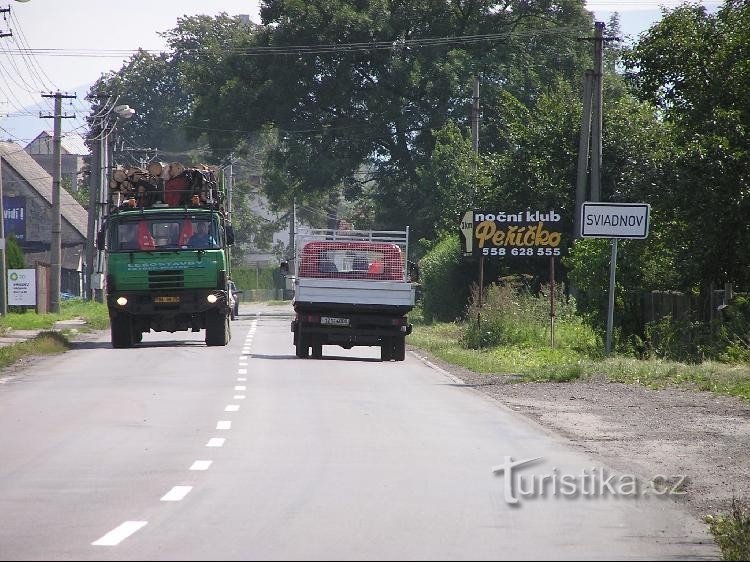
{"x": 693, "y": 67}
{"x": 341, "y": 109}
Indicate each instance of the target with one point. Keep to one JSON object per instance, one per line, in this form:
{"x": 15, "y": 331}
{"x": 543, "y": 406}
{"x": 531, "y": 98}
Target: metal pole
{"x": 552, "y": 301}
{"x": 611, "y": 308}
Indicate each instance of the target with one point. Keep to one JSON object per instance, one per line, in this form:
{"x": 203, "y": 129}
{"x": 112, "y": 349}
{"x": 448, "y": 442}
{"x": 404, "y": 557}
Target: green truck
{"x": 167, "y": 255}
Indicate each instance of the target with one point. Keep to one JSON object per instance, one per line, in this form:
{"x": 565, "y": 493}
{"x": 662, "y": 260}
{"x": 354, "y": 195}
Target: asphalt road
{"x": 176, "y": 451}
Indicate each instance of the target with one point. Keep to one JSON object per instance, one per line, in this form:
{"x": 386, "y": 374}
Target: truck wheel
{"x": 121, "y": 331}
{"x": 399, "y": 348}
{"x": 385, "y": 349}
{"x": 302, "y": 344}
{"x": 217, "y": 328}
{"x": 317, "y": 351}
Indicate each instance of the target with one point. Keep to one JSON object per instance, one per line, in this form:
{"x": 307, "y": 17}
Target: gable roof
{"x": 70, "y": 143}
{"x": 40, "y": 181}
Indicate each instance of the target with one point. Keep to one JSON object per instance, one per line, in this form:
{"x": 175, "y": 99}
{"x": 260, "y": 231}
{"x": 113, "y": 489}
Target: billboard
{"x": 22, "y": 287}
{"x": 512, "y": 233}
{"x": 14, "y": 215}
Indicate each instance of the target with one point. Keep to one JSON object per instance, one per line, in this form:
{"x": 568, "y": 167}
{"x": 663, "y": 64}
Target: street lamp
{"x": 98, "y": 200}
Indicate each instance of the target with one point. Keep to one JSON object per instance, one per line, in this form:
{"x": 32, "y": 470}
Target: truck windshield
{"x": 165, "y": 233}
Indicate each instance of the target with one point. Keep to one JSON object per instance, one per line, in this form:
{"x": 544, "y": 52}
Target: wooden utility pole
{"x": 596, "y": 131}
{"x": 56, "y": 242}
{"x": 475, "y": 111}
{"x": 583, "y": 152}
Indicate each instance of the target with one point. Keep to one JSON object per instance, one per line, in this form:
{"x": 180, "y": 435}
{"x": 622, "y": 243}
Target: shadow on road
{"x": 324, "y": 358}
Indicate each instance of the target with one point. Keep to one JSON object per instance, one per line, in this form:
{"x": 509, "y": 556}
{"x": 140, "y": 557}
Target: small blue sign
{"x": 14, "y": 213}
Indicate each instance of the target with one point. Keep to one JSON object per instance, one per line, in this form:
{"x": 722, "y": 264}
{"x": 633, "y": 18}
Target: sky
{"x": 83, "y": 30}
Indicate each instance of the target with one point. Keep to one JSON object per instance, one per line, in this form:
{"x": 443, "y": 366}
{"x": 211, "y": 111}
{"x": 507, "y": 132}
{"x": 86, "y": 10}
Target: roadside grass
{"x": 94, "y": 313}
{"x": 46, "y": 343}
{"x": 537, "y": 363}
{"x": 732, "y": 532}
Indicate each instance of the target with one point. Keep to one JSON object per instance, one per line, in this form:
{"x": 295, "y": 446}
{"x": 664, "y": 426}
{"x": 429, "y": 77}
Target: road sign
{"x": 615, "y": 220}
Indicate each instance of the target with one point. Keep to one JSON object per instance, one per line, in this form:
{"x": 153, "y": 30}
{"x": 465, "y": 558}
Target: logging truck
{"x": 166, "y": 243}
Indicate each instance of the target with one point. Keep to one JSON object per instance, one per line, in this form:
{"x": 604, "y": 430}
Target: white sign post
{"x": 614, "y": 220}
{"x": 22, "y": 287}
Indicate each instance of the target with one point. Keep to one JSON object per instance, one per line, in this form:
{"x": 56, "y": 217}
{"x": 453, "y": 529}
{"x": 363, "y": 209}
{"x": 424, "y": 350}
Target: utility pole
{"x": 583, "y": 152}
{"x": 56, "y": 242}
{"x": 9, "y": 33}
{"x": 475, "y": 147}
{"x": 596, "y": 131}
{"x": 3, "y": 279}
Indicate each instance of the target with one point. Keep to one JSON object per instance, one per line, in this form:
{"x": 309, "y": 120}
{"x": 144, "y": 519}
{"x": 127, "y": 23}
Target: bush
{"x": 445, "y": 278}
{"x": 512, "y": 315}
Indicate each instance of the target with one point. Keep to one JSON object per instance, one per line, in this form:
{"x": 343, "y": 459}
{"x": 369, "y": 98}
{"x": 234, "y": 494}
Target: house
{"x": 27, "y": 204}
{"x": 72, "y": 152}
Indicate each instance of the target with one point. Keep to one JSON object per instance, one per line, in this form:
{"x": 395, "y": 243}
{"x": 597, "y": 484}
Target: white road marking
{"x": 216, "y": 442}
{"x": 232, "y": 408}
{"x": 239, "y": 397}
{"x": 240, "y": 387}
{"x": 201, "y": 465}
{"x": 243, "y": 357}
{"x": 176, "y": 494}
{"x": 241, "y": 371}
{"x": 241, "y": 379}
{"x": 119, "y": 534}
{"x": 452, "y": 377}
{"x": 224, "y": 424}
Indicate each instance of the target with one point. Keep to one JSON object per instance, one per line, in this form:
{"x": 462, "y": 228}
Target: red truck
{"x": 351, "y": 289}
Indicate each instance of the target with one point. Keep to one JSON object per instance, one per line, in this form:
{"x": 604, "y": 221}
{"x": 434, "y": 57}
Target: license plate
{"x": 166, "y": 300}
{"x": 331, "y": 321}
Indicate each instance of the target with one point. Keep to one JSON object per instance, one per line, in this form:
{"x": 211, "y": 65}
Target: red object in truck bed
{"x": 352, "y": 260}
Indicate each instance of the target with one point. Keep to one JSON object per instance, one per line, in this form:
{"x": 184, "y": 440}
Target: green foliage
{"x": 512, "y": 315}
{"x": 732, "y": 531}
{"x": 445, "y": 280}
{"x": 250, "y": 278}
{"x": 14, "y": 258}
{"x": 95, "y": 314}
{"x": 694, "y": 67}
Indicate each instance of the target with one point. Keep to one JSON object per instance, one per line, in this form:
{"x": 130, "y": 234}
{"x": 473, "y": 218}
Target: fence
{"x": 260, "y": 295}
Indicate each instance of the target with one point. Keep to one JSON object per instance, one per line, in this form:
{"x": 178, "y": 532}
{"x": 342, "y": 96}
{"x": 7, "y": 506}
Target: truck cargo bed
{"x": 395, "y": 296}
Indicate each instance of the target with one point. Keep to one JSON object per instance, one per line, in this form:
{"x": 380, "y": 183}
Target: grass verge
{"x": 534, "y": 363}
{"x": 46, "y": 343}
{"x": 93, "y": 313}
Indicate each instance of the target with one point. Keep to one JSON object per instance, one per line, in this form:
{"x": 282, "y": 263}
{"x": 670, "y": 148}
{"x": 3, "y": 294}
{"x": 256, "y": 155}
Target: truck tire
{"x": 302, "y": 344}
{"x": 217, "y": 328}
{"x": 317, "y": 350}
{"x": 121, "y": 331}
{"x": 399, "y": 348}
{"x": 385, "y": 349}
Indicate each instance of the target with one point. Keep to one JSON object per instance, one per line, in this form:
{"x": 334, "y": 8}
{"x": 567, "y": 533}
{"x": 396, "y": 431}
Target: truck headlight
{"x": 212, "y": 298}
{"x": 122, "y": 301}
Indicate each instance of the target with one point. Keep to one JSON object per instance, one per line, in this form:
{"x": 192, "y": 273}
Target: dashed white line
{"x": 216, "y": 442}
{"x": 239, "y": 397}
{"x": 241, "y": 371}
{"x": 243, "y": 357}
{"x": 241, "y": 379}
{"x": 201, "y": 465}
{"x": 176, "y": 494}
{"x": 240, "y": 387}
{"x": 119, "y": 534}
{"x": 232, "y": 408}
{"x": 224, "y": 424}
